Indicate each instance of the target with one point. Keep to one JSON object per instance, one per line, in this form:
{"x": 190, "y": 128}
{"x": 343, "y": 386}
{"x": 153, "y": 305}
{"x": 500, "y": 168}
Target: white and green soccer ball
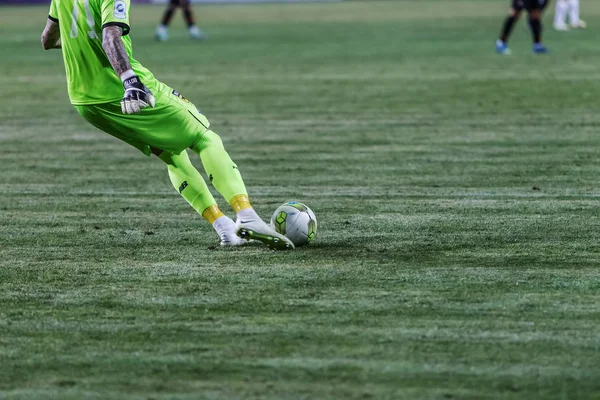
{"x": 295, "y": 221}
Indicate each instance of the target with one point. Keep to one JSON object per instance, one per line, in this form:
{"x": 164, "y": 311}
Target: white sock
{"x": 247, "y": 214}
{"x": 224, "y": 225}
{"x": 560, "y": 17}
{"x": 574, "y": 12}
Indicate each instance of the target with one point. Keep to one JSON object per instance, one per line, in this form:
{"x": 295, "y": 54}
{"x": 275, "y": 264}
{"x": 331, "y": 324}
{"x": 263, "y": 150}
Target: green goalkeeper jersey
{"x": 90, "y": 76}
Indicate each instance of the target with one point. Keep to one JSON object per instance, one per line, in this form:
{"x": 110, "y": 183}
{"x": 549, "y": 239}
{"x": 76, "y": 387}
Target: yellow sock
{"x": 240, "y": 202}
{"x": 212, "y": 213}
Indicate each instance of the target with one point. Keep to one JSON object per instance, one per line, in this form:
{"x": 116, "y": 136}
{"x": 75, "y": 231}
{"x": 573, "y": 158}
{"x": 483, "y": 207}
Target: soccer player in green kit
{"x": 116, "y": 94}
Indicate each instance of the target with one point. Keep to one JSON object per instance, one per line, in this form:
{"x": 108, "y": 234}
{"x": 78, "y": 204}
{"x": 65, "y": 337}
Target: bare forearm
{"x": 115, "y": 49}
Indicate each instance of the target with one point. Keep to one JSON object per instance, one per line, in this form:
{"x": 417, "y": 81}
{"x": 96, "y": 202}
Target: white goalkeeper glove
{"x": 137, "y": 95}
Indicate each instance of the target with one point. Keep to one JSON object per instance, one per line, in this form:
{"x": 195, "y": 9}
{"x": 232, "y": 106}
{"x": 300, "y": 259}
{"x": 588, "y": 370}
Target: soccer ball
{"x": 296, "y": 221}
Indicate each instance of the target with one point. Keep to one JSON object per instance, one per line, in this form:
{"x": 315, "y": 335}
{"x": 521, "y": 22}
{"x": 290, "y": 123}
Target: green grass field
{"x": 456, "y": 190}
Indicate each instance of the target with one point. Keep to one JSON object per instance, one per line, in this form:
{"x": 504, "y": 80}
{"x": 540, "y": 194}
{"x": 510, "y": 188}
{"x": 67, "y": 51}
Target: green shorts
{"x": 173, "y": 125}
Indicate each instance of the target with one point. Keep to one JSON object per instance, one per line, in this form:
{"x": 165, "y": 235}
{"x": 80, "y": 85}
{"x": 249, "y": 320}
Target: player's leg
{"x": 133, "y": 129}
{"x": 173, "y": 125}
{"x": 560, "y": 15}
{"x": 535, "y": 23}
{"x": 162, "y": 32}
{"x": 226, "y": 178}
{"x": 191, "y": 186}
{"x": 574, "y": 15}
{"x": 188, "y": 15}
{"x": 507, "y": 27}
{"x": 179, "y": 122}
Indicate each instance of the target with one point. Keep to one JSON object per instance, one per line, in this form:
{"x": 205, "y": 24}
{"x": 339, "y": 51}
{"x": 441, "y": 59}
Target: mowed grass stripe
{"x": 455, "y": 190}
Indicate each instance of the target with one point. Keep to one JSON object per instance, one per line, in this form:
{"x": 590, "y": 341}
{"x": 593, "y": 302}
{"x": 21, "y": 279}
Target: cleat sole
{"x": 274, "y": 242}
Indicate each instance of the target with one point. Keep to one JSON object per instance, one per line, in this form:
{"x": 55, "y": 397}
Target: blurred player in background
{"x": 534, "y": 9}
{"x": 116, "y": 94}
{"x": 162, "y": 31}
{"x": 570, "y": 8}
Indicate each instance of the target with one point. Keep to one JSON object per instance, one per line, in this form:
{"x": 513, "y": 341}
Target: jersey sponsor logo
{"x": 120, "y": 9}
{"x": 177, "y": 94}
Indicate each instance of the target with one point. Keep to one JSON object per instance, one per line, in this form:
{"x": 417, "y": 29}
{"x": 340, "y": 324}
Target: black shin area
{"x": 188, "y": 15}
{"x": 168, "y": 15}
{"x": 536, "y": 29}
{"x": 509, "y": 22}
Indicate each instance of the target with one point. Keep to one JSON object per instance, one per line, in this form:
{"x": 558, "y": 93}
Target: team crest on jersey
{"x": 177, "y": 94}
{"x": 120, "y": 9}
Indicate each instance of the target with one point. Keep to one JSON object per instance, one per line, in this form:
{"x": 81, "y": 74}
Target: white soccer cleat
{"x": 257, "y": 229}
{"x": 227, "y": 231}
{"x": 231, "y": 239}
{"x": 561, "y": 27}
{"x": 161, "y": 34}
{"x": 581, "y": 24}
{"x": 196, "y": 33}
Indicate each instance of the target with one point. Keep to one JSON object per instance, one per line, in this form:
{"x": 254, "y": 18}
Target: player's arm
{"x": 115, "y": 49}
{"x": 137, "y": 95}
{"x": 51, "y": 35}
